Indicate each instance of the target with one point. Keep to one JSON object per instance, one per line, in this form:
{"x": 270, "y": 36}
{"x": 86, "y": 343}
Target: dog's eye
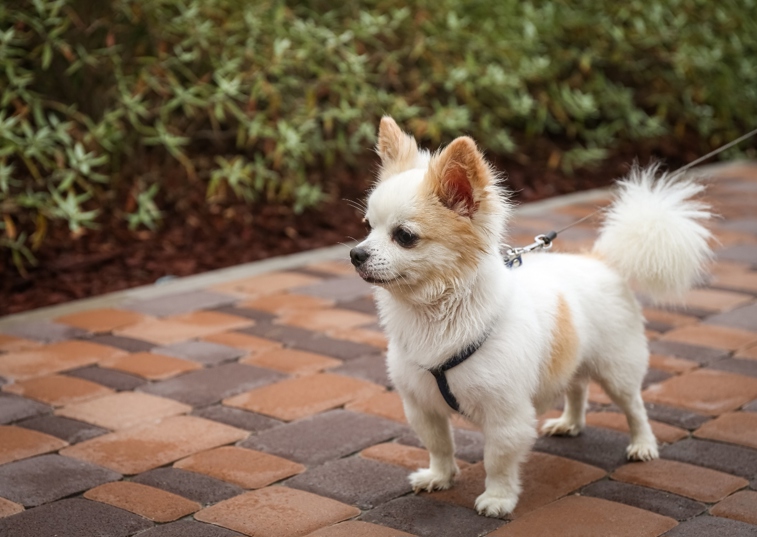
{"x": 404, "y": 238}
{"x": 367, "y": 225}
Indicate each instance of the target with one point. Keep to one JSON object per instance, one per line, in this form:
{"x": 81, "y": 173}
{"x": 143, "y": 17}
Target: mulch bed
{"x": 196, "y": 237}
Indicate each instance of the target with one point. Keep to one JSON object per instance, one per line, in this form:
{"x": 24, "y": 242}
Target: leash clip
{"x": 513, "y": 257}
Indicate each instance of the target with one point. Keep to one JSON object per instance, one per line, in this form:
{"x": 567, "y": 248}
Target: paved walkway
{"x": 260, "y": 406}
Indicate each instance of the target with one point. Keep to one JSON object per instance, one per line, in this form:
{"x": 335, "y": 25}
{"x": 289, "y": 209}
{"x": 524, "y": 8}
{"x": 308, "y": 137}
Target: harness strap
{"x": 457, "y": 359}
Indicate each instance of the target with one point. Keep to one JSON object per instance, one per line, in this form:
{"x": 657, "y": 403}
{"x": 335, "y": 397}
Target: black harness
{"x": 457, "y": 359}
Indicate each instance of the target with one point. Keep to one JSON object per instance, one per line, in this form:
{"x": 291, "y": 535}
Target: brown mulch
{"x": 196, "y": 237}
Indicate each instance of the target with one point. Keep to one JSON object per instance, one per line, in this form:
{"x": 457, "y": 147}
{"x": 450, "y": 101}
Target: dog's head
{"x": 430, "y": 217}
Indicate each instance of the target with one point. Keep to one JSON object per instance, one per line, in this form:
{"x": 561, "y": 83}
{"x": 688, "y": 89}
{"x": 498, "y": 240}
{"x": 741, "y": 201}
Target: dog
{"x": 502, "y": 345}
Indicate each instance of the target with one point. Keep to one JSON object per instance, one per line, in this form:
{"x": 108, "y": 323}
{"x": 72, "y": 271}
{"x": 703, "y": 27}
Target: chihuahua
{"x": 499, "y": 345}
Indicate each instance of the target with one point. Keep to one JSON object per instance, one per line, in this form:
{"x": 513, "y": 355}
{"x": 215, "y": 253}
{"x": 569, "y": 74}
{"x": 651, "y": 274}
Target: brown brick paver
{"x": 8, "y": 508}
{"x": 58, "y": 390}
{"x": 356, "y": 528}
{"x": 246, "y": 468}
{"x": 184, "y": 327}
{"x": 545, "y": 479}
{"x": 687, "y": 480}
{"x": 102, "y": 320}
{"x": 140, "y": 449}
{"x": 123, "y": 410}
{"x": 736, "y": 428}
{"x": 262, "y": 406}
{"x": 292, "y": 361}
{"x": 408, "y": 457}
{"x": 300, "y": 397}
{"x": 53, "y": 358}
{"x": 13, "y": 343}
{"x": 740, "y": 506}
{"x": 18, "y": 443}
{"x": 614, "y": 420}
{"x": 277, "y": 512}
{"x": 149, "y": 502}
{"x": 151, "y": 366}
{"x": 705, "y": 391}
{"x": 577, "y": 516}
{"x": 327, "y": 319}
{"x": 718, "y": 337}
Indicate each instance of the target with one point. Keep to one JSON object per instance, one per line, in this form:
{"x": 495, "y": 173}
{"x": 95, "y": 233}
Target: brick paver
{"x": 685, "y": 479}
{"x": 151, "y": 366}
{"x": 739, "y": 506}
{"x": 149, "y": 502}
{"x": 246, "y": 468}
{"x": 142, "y": 448}
{"x": 303, "y": 512}
{"x": 736, "y": 428}
{"x": 580, "y": 516}
{"x": 262, "y": 406}
{"x": 300, "y": 397}
{"x": 58, "y": 390}
{"x": 19, "y": 443}
{"x": 101, "y": 320}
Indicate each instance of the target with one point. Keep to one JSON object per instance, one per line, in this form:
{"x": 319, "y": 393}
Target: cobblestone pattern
{"x": 261, "y": 407}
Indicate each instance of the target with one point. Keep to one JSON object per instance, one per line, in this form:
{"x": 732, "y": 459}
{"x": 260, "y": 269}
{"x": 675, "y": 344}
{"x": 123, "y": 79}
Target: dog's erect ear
{"x": 459, "y": 175}
{"x": 398, "y": 151}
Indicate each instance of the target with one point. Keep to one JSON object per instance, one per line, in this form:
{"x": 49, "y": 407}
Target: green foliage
{"x": 251, "y": 96}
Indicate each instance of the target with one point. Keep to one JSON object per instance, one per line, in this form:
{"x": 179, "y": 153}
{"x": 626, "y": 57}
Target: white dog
{"x": 529, "y": 334}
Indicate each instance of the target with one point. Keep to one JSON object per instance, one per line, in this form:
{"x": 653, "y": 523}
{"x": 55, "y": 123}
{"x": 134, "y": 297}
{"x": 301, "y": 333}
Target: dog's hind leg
{"x": 624, "y": 388}
{"x": 434, "y": 431}
{"x": 573, "y": 417}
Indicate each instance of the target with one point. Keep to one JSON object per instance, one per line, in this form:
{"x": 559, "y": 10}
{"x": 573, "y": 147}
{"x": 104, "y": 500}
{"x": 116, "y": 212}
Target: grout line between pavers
{"x": 246, "y": 270}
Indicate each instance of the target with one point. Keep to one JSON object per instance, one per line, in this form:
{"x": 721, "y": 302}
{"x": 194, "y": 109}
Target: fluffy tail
{"x": 653, "y": 234}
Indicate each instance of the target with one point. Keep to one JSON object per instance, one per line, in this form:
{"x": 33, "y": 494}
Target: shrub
{"x": 251, "y": 96}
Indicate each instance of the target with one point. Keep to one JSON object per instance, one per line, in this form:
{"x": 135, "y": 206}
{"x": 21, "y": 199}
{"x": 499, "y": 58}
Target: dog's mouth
{"x": 377, "y": 281}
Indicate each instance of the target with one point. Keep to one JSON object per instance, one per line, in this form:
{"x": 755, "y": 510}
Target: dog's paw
{"x": 496, "y": 505}
{"x": 427, "y": 480}
{"x": 560, "y": 427}
{"x": 642, "y": 451}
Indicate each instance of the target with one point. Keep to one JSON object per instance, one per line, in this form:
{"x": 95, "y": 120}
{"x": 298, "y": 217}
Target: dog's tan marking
{"x": 562, "y": 356}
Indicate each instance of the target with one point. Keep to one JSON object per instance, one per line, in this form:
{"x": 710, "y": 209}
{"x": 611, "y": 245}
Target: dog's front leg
{"x": 507, "y": 444}
{"x": 435, "y": 433}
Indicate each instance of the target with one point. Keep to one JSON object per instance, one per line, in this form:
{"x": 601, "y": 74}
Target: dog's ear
{"x": 459, "y": 175}
{"x": 398, "y": 151}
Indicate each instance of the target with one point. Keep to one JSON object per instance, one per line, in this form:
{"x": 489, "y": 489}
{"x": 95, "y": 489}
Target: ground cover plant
{"x": 115, "y": 116}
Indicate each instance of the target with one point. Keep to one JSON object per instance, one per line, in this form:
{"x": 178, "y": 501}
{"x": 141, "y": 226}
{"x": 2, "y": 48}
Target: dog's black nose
{"x": 358, "y": 256}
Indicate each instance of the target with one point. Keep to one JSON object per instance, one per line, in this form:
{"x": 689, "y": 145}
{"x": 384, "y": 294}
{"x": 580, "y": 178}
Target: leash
{"x": 513, "y": 256}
